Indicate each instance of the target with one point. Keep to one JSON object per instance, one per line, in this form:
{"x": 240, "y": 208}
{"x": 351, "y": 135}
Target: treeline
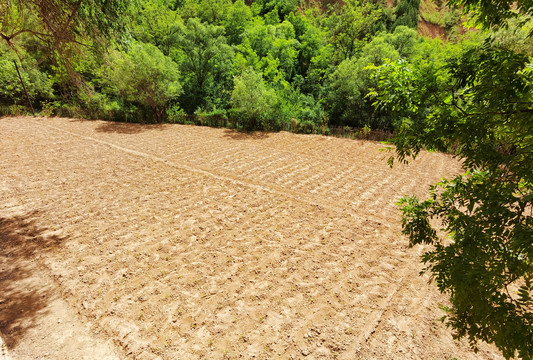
{"x": 273, "y": 65}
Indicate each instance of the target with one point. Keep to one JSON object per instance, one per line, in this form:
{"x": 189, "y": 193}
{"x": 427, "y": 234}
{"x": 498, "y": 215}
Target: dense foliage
{"x": 480, "y": 106}
{"x": 187, "y": 60}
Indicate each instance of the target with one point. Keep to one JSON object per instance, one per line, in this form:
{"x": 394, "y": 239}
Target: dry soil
{"x": 126, "y": 241}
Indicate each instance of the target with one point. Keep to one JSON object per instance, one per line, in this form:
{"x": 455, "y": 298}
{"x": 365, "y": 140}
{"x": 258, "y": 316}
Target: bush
{"x": 144, "y": 76}
{"x": 38, "y": 84}
{"x": 251, "y": 99}
{"x": 215, "y": 117}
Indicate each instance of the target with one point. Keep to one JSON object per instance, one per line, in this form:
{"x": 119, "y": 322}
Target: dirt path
{"x": 181, "y": 242}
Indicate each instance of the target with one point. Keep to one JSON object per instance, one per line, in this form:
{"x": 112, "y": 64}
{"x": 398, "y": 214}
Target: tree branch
{"x": 8, "y": 38}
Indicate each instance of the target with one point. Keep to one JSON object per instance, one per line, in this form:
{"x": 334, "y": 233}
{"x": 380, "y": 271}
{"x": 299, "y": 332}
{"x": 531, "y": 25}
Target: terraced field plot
{"x": 185, "y": 242}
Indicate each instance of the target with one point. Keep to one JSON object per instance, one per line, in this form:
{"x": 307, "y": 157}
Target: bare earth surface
{"x": 122, "y": 241}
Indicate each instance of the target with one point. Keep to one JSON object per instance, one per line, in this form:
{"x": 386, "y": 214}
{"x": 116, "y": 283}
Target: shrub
{"x": 38, "y": 84}
{"x": 145, "y": 76}
{"x": 251, "y": 99}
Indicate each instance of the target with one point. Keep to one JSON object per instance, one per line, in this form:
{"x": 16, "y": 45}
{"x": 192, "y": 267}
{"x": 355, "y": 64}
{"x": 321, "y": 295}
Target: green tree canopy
{"x": 352, "y": 26}
{"x": 146, "y": 77}
{"x": 205, "y": 61}
{"x": 479, "y": 106}
{"x": 38, "y": 84}
{"x": 56, "y": 24}
{"x": 251, "y": 98}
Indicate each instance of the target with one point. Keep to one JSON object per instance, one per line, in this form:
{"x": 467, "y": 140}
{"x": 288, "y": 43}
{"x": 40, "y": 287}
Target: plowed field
{"x": 185, "y": 242}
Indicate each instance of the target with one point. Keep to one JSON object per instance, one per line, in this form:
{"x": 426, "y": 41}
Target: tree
{"x": 271, "y": 49}
{"x": 407, "y": 13}
{"x": 251, "y": 98}
{"x": 353, "y": 26}
{"x": 491, "y": 13}
{"x": 205, "y": 62}
{"x": 155, "y": 23}
{"x": 311, "y": 39}
{"x": 214, "y": 11}
{"x": 348, "y": 86}
{"x": 480, "y": 106}
{"x": 145, "y": 76}
{"x": 346, "y": 89}
{"x": 37, "y": 83}
{"x": 57, "y": 23}
{"x": 239, "y": 15}
{"x": 281, "y": 8}
{"x": 54, "y": 33}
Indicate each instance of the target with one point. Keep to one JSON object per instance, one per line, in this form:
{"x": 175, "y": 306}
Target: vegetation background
{"x": 271, "y": 65}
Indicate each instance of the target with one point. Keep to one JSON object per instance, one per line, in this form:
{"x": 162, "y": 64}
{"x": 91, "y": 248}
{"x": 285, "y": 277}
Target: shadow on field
{"x": 23, "y": 299}
{"x": 128, "y": 128}
{"x": 122, "y": 127}
{"x": 241, "y": 135}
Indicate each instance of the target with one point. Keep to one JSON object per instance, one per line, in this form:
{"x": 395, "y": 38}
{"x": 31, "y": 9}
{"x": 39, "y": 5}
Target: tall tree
{"x": 57, "y": 23}
{"x": 205, "y": 59}
{"x": 353, "y": 26}
{"x": 251, "y": 98}
{"x": 156, "y": 23}
{"x": 146, "y": 77}
{"x": 481, "y": 106}
{"x": 407, "y": 13}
